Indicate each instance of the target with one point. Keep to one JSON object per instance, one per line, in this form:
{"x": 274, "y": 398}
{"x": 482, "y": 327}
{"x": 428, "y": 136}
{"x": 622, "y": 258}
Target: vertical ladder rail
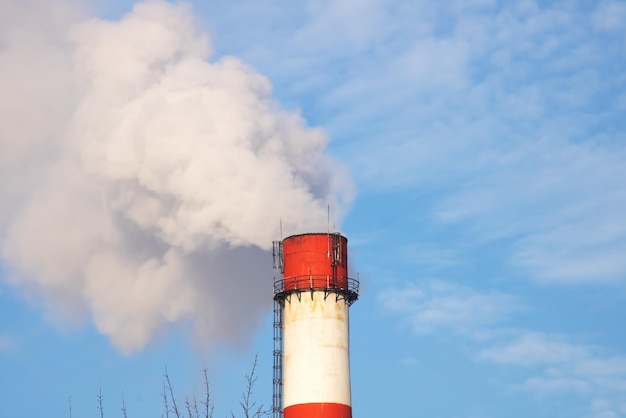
{"x": 277, "y": 399}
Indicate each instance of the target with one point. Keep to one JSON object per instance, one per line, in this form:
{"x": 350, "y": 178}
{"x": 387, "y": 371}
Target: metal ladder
{"x": 277, "y": 399}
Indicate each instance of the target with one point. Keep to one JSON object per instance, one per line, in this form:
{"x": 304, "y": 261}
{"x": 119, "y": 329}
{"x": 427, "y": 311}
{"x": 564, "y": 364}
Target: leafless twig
{"x": 123, "y": 409}
{"x": 188, "y": 408}
{"x": 166, "y": 406}
{"x": 248, "y": 405}
{"x": 170, "y": 389}
{"x": 208, "y": 403}
{"x": 100, "y": 400}
{"x": 195, "y": 406}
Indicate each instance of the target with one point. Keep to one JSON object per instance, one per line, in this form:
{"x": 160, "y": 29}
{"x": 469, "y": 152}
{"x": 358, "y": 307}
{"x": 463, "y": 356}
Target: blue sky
{"x": 484, "y": 142}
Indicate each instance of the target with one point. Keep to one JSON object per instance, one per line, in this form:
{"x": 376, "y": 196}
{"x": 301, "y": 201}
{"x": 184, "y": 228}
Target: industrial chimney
{"x": 311, "y": 327}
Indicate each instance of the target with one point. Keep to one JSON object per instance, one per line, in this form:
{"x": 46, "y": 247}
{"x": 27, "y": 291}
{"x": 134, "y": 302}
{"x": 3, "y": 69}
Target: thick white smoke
{"x": 142, "y": 181}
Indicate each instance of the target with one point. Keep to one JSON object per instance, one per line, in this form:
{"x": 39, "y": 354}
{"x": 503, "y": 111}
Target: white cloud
{"x": 340, "y": 27}
{"x": 603, "y": 408}
{"x": 439, "y": 306}
{"x": 555, "y": 384}
{"x": 560, "y": 203}
{"x": 609, "y": 15}
{"x": 550, "y": 364}
{"x": 434, "y": 65}
{"x": 508, "y": 116}
{"x": 535, "y": 349}
{"x": 556, "y": 365}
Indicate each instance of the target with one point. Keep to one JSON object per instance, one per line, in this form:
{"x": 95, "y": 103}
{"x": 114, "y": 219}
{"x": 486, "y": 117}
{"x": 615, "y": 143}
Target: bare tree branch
{"x": 208, "y": 403}
{"x": 123, "y": 409}
{"x": 191, "y": 408}
{"x": 170, "y": 389}
{"x": 195, "y": 406}
{"x": 188, "y": 408}
{"x": 165, "y": 404}
{"x": 100, "y": 400}
{"x": 248, "y": 405}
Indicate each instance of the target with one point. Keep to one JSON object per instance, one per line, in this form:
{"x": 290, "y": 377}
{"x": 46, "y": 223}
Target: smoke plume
{"x": 142, "y": 180}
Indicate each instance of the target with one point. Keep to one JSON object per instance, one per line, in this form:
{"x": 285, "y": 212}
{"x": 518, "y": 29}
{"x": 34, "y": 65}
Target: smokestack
{"x": 311, "y": 301}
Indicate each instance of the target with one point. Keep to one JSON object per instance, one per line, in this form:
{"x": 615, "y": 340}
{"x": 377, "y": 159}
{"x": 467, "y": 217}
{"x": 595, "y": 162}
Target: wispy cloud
{"x": 535, "y": 349}
{"x": 527, "y": 149}
{"x": 6, "y": 342}
{"x": 609, "y": 16}
{"x": 510, "y": 116}
{"x": 561, "y": 205}
{"x": 556, "y": 365}
{"x": 429, "y": 255}
{"x": 440, "y": 306}
{"x": 550, "y": 364}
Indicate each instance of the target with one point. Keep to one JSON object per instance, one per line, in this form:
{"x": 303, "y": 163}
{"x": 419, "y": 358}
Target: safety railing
{"x": 306, "y": 282}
